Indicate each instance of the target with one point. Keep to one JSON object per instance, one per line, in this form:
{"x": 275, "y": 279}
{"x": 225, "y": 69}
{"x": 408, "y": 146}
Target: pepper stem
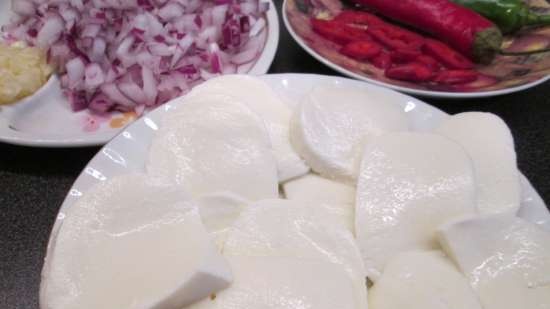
{"x": 534, "y": 19}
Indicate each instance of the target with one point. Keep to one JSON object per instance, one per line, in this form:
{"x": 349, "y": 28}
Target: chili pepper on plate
{"x": 465, "y": 30}
{"x": 404, "y": 55}
{"x": 338, "y": 32}
{"x": 382, "y": 61}
{"x": 446, "y": 55}
{"x": 428, "y": 61}
{"x": 509, "y": 15}
{"x": 412, "y": 72}
{"x": 358, "y": 18}
{"x": 362, "y": 50}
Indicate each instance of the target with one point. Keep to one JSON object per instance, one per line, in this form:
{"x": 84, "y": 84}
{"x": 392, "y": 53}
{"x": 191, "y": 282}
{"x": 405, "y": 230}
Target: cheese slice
{"x": 215, "y": 143}
{"x": 488, "y": 141}
{"x": 506, "y": 259}
{"x": 408, "y": 185}
{"x": 131, "y": 242}
{"x": 332, "y": 124}
{"x": 316, "y": 191}
{"x": 282, "y": 282}
{"x": 286, "y": 228}
{"x": 218, "y": 212}
{"x": 314, "y": 188}
{"x": 261, "y": 99}
{"x": 422, "y": 280}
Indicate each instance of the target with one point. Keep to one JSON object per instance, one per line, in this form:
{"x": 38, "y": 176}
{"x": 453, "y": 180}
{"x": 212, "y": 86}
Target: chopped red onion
{"x": 90, "y": 31}
{"x": 170, "y": 11}
{"x": 101, "y": 104}
{"x": 77, "y": 100}
{"x": 258, "y": 26}
{"x": 50, "y": 31}
{"x": 75, "y": 71}
{"x": 93, "y": 76}
{"x": 132, "y": 91}
{"x": 23, "y": 7}
{"x": 113, "y": 93}
{"x": 135, "y": 54}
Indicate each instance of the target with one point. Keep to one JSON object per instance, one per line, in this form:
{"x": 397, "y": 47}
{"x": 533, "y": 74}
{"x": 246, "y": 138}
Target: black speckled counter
{"x": 33, "y": 182}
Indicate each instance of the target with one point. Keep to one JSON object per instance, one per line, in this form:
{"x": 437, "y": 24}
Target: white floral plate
{"x": 46, "y": 120}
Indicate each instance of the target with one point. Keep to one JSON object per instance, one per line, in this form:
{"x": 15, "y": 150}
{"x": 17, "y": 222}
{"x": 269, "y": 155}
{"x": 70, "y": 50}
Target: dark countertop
{"x": 33, "y": 181}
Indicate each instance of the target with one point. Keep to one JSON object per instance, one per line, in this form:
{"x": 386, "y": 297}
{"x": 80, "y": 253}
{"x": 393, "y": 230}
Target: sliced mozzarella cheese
{"x": 215, "y": 143}
{"x": 218, "y": 212}
{"x": 422, "y": 280}
{"x": 279, "y": 282}
{"x": 533, "y": 208}
{"x": 132, "y": 243}
{"x": 332, "y": 124}
{"x": 506, "y": 259}
{"x": 288, "y": 229}
{"x": 313, "y": 188}
{"x": 409, "y": 184}
{"x": 490, "y": 144}
{"x": 261, "y": 99}
{"x": 342, "y": 213}
{"x": 316, "y": 191}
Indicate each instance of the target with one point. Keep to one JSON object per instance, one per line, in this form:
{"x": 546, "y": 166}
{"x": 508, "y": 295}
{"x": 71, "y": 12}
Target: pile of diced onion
{"x": 128, "y": 55}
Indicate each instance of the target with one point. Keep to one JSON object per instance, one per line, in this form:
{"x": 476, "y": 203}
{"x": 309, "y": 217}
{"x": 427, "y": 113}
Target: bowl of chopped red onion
{"x": 117, "y": 59}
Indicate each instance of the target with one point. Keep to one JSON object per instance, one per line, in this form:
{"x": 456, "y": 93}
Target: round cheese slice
{"x": 332, "y": 124}
{"x": 131, "y": 242}
{"x": 215, "y": 143}
{"x": 261, "y": 99}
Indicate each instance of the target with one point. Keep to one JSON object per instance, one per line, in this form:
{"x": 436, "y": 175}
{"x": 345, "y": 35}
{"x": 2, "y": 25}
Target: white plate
{"x": 418, "y": 92}
{"x": 127, "y": 152}
{"x": 46, "y": 120}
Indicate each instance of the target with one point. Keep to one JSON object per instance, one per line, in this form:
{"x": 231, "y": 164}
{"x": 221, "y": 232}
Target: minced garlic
{"x": 23, "y": 70}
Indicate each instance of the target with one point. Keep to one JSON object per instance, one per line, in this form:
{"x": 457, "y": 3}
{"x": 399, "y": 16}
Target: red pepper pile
{"x": 403, "y": 54}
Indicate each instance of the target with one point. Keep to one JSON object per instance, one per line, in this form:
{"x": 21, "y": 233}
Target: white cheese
{"x": 408, "y": 185}
{"x": 488, "y": 141}
{"x": 128, "y": 243}
{"x": 218, "y": 212}
{"x": 332, "y": 124}
{"x": 286, "y": 228}
{"x": 316, "y": 191}
{"x": 283, "y": 283}
{"x": 422, "y": 280}
{"x": 215, "y": 143}
{"x": 506, "y": 259}
{"x": 314, "y": 188}
{"x": 261, "y": 99}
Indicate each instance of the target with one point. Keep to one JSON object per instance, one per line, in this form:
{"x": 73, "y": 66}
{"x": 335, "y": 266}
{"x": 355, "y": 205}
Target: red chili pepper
{"x": 338, "y": 32}
{"x": 470, "y": 33}
{"x": 429, "y": 61}
{"x": 399, "y": 33}
{"x": 362, "y": 50}
{"x": 446, "y": 55}
{"x": 412, "y": 72}
{"x": 382, "y": 61}
{"x": 358, "y": 17}
{"x": 455, "y": 77}
{"x": 404, "y": 55}
{"x": 384, "y": 39}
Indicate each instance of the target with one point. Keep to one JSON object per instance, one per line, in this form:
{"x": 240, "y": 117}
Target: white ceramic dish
{"x": 418, "y": 92}
{"x": 45, "y": 119}
{"x": 127, "y": 152}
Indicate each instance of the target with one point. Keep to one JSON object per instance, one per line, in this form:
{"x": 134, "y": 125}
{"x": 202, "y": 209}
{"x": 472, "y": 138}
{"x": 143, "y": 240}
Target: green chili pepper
{"x": 508, "y": 15}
